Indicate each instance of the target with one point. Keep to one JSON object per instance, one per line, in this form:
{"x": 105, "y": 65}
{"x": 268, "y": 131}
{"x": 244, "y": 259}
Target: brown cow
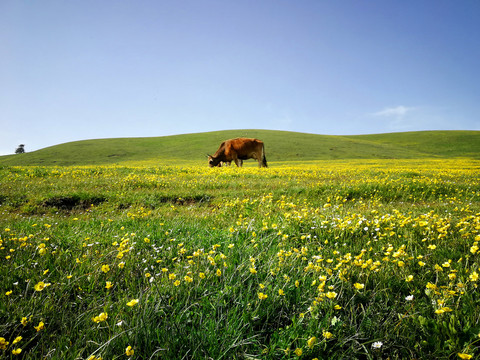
{"x": 238, "y": 150}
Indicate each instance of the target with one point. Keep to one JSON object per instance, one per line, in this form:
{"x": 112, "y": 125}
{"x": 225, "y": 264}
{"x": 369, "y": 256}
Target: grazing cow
{"x": 238, "y": 150}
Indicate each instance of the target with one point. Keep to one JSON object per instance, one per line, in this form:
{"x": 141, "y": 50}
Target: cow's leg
{"x": 258, "y": 157}
{"x": 238, "y": 162}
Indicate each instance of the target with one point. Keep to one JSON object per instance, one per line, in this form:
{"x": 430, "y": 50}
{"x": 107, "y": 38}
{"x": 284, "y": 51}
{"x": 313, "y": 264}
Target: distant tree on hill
{"x": 20, "y": 149}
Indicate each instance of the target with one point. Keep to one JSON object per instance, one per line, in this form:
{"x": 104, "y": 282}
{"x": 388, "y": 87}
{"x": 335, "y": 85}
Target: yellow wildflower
{"x": 298, "y": 352}
{"x": 132, "y": 303}
{"x": 464, "y": 356}
{"x": 327, "y": 334}
{"x": 474, "y": 249}
{"x": 443, "y": 310}
{"x": 359, "y": 286}
{"x": 129, "y": 351}
{"x": 16, "y": 351}
{"x": 105, "y": 268}
{"x": 41, "y": 285}
{"x": 100, "y": 318}
{"x": 262, "y": 296}
{"x": 17, "y": 340}
{"x": 331, "y": 294}
{"x": 473, "y": 276}
{"x": 108, "y": 285}
{"x": 431, "y": 286}
{"x": 311, "y": 342}
{"x": 40, "y": 326}
{"x": 3, "y": 343}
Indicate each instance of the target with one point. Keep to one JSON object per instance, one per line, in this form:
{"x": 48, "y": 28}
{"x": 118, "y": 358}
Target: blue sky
{"x": 75, "y": 70}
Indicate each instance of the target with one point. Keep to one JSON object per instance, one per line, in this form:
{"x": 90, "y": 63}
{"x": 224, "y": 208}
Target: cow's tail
{"x": 264, "y": 159}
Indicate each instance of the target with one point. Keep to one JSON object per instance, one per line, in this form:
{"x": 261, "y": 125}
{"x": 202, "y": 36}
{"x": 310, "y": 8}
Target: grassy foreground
{"x": 361, "y": 259}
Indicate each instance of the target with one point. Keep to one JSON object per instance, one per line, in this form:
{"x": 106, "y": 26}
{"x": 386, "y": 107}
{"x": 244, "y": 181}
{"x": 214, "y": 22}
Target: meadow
{"x": 334, "y": 259}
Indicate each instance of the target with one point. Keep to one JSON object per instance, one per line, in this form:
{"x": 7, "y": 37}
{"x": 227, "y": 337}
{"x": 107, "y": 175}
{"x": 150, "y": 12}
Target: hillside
{"x": 280, "y": 146}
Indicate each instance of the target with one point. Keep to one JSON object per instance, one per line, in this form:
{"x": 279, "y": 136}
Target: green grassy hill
{"x": 280, "y": 146}
{"x": 438, "y": 143}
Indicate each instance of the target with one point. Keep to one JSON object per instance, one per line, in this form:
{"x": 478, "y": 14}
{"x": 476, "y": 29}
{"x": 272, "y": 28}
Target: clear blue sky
{"x": 75, "y": 70}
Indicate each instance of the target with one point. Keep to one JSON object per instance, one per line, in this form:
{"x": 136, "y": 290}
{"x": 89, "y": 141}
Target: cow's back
{"x": 242, "y": 144}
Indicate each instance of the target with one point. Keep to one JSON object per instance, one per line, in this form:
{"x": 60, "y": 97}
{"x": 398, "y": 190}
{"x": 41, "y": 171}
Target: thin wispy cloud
{"x": 394, "y": 112}
{"x": 398, "y": 118}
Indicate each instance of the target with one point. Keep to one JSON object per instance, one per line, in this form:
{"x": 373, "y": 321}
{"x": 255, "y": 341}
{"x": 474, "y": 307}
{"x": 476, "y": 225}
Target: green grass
{"x": 281, "y": 147}
{"x": 439, "y": 143}
{"x": 246, "y": 263}
{"x": 343, "y": 243}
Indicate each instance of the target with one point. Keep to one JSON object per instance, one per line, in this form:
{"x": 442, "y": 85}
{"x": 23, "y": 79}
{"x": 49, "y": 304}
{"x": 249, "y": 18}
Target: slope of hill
{"x": 438, "y": 143}
{"x": 279, "y": 146}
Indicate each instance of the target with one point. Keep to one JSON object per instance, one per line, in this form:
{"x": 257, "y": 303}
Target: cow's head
{"x": 212, "y": 162}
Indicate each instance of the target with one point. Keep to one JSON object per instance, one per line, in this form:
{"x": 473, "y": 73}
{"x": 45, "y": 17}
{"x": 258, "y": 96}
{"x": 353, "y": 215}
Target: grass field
{"x": 331, "y": 259}
{"x": 338, "y": 259}
{"x": 280, "y": 146}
